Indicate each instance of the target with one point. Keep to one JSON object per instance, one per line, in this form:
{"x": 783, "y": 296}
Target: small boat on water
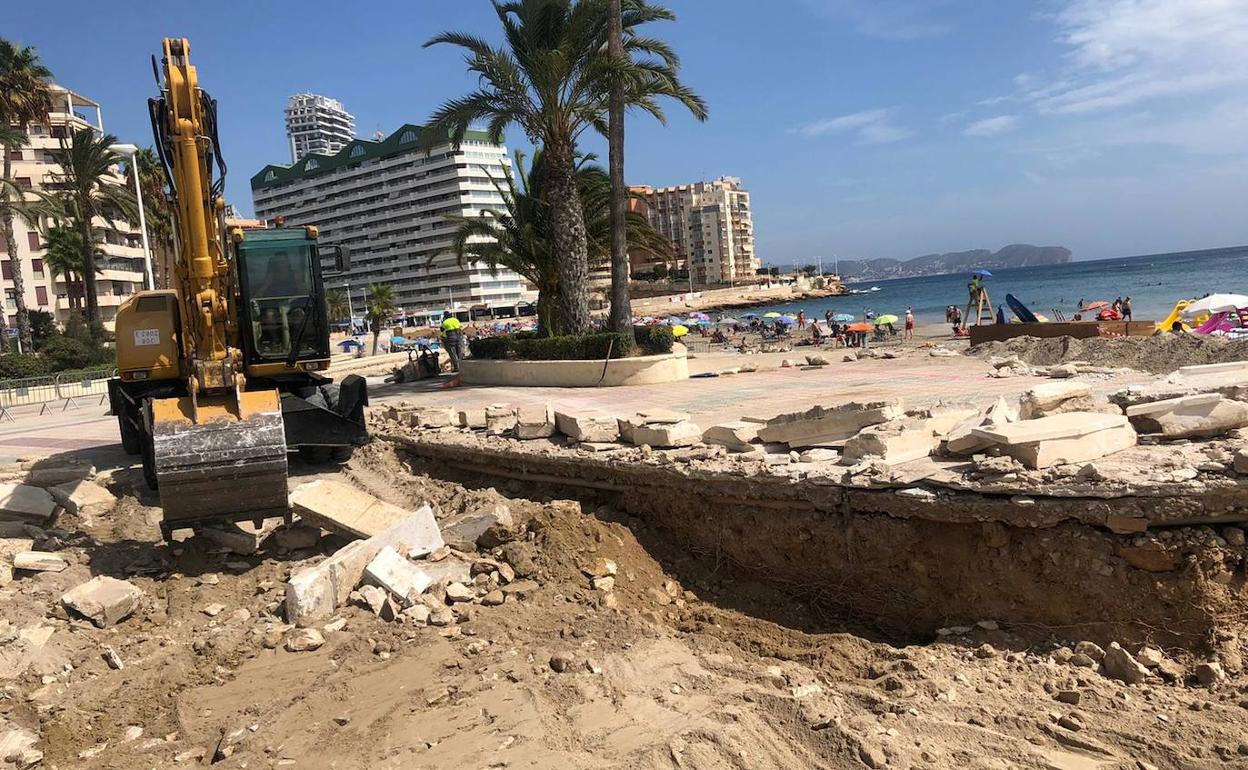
{"x": 875, "y": 288}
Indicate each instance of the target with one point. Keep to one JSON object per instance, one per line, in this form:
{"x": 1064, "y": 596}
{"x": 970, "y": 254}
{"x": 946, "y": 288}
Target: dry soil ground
{"x": 675, "y": 668}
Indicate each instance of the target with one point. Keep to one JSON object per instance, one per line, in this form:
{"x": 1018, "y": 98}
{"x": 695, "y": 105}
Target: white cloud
{"x": 886, "y": 19}
{"x": 870, "y": 126}
{"x": 1125, "y": 52}
{"x": 992, "y": 126}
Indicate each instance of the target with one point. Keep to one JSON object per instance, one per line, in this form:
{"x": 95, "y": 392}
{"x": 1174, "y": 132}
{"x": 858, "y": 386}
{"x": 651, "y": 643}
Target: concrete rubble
{"x": 822, "y": 425}
{"x": 103, "y": 600}
{"x": 24, "y": 502}
{"x": 39, "y": 561}
{"x": 535, "y": 422}
{"x": 346, "y": 509}
{"x": 587, "y": 426}
{"x": 500, "y": 420}
{"x": 1055, "y": 398}
{"x": 480, "y": 527}
{"x": 661, "y": 434}
{"x": 1197, "y": 416}
{"x": 82, "y": 497}
{"x": 961, "y": 439}
{"x": 1064, "y": 438}
{"x": 737, "y": 436}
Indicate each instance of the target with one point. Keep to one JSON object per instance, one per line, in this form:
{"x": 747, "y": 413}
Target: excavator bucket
{"x": 229, "y": 465}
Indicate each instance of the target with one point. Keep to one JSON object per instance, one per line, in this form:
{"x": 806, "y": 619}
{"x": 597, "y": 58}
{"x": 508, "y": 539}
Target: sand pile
{"x": 1157, "y": 355}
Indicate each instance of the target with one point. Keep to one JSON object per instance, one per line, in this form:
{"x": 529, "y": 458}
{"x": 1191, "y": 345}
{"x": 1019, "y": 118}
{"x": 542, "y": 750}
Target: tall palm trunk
{"x": 88, "y": 261}
{"x": 570, "y": 242}
{"x": 621, "y": 319}
{"x": 548, "y": 312}
{"x": 10, "y": 242}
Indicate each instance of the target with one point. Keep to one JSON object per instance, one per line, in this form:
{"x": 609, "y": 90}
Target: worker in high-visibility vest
{"x": 451, "y": 335}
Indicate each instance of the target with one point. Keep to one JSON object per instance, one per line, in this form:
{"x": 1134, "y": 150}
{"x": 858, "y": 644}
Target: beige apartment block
{"x": 120, "y": 267}
{"x": 708, "y": 223}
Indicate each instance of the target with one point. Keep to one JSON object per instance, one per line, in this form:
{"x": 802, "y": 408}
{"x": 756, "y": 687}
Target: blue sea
{"x": 1153, "y": 281}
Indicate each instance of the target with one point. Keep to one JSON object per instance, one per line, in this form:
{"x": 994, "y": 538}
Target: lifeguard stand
{"x": 982, "y": 304}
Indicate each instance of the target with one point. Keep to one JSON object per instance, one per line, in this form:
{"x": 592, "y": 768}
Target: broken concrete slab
{"x": 666, "y": 434}
{"x": 1198, "y": 416}
{"x": 942, "y": 419}
{"x": 587, "y": 426}
{"x": 962, "y": 441}
{"x": 58, "y": 474}
{"x": 465, "y": 531}
{"x": 535, "y": 422}
{"x": 1053, "y": 398}
{"x": 40, "y": 561}
{"x": 17, "y": 747}
{"x": 893, "y": 443}
{"x": 1202, "y": 370}
{"x": 296, "y": 537}
{"x": 103, "y": 600}
{"x": 662, "y": 416}
{"x": 231, "y": 536}
{"x": 500, "y": 419}
{"x": 24, "y": 502}
{"x": 737, "y": 436}
{"x": 20, "y": 650}
{"x": 346, "y": 509}
{"x": 313, "y": 593}
{"x": 83, "y": 497}
{"x": 391, "y": 571}
{"x": 432, "y": 417}
{"x": 821, "y": 425}
{"x": 1072, "y": 437}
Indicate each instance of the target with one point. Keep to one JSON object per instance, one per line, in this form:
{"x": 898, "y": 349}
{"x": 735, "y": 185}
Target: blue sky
{"x": 861, "y": 127}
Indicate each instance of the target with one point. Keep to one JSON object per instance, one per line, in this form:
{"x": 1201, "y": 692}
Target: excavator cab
{"x": 283, "y": 315}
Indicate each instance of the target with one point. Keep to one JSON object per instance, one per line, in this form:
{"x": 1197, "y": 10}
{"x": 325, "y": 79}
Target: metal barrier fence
{"x": 64, "y": 390}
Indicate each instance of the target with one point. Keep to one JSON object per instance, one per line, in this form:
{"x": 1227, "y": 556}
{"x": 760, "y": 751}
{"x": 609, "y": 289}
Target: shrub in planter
{"x": 15, "y": 366}
{"x": 568, "y": 348}
{"x": 654, "y": 340}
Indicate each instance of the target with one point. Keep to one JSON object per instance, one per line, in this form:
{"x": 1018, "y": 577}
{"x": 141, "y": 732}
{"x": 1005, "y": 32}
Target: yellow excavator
{"x": 221, "y": 375}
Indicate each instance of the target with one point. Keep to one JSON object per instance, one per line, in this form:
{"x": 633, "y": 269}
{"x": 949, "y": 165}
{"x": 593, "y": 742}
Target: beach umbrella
{"x": 784, "y": 320}
{"x": 842, "y": 318}
{"x": 679, "y": 331}
{"x": 1215, "y": 303}
{"x": 700, "y": 316}
{"x": 887, "y": 318}
{"x": 672, "y": 320}
{"x": 772, "y": 314}
{"x": 982, "y": 273}
{"x": 727, "y": 321}
{"x": 1100, "y": 303}
{"x": 860, "y": 327}
{"x": 749, "y": 315}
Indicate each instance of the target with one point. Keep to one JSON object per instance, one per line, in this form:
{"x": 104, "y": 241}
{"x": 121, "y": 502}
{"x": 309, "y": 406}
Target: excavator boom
{"x": 220, "y": 450}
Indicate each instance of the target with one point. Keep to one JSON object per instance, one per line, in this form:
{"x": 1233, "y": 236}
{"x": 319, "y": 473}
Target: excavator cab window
{"x": 283, "y": 303}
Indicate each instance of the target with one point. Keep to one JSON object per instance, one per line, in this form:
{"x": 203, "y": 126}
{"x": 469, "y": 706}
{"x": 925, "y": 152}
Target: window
{"x": 356, "y": 151}
{"x": 41, "y": 296}
{"x": 24, "y": 182}
{"x": 6, "y": 269}
{"x": 15, "y": 155}
{"x": 408, "y": 137}
{"x": 311, "y": 164}
{"x": 32, "y": 240}
{"x": 37, "y": 266}
{"x": 269, "y": 177}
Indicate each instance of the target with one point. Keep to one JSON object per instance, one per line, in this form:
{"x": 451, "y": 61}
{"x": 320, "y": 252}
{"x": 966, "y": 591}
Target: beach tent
{"x": 1215, "y": 303}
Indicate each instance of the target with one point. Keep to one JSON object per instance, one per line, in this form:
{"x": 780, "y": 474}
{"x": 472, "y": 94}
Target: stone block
{"x": 587, "y": 427}
{"x": 471, "y": 418}
{"x": 894, "y": 442}
{"x": 17, "y": 747}
{"x": 39, "y": 561}
{"x": 58, "y": 474}
{"x": 821, "y": 425}
{"x": 666, "y": 434}
{"x": 231, "y": 536}
{"x": 662, "y": 416}
{"x": 24, "y": 502}
{"x": 535, "y": 422}
{"x": 737, "y": 436}
{"x": 432, "y": 417}
{"x": 345, "y": 509}
{"x": 1241, "y": 461}
{"x": 819, "y": 455}
{"x": 943, "y": 419}
{"x": 1121, "y": 665}
{"x": 465, "y": 531}
{"x": 1073, "y": 437}
{"x": 103, "y": 600}
{"x": 1199, "y": 416}
{"x": 500, "y": 420}
{"x": 391, "y": 571}
{"x": 296, "y": 537}
{"x": 1051, "y": 397}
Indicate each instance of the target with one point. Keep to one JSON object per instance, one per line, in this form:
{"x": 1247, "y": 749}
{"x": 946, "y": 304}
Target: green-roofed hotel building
{"x": 385, "y": 202}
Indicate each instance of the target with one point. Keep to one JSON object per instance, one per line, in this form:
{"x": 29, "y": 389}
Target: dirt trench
{"x": 862, "y": 561}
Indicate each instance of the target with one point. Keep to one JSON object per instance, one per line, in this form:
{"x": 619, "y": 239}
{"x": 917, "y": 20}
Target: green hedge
{"x": 527, "y": 346}
{"x": 654, "y": 340}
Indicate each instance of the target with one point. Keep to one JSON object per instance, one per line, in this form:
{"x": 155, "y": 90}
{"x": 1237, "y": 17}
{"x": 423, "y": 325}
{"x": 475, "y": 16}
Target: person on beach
{"x": 827, "y": 317}
{"x": 1118, "y": 306}
{"x": 1126, "y": 309}
{"x": 909, "y": 324}
{"x": 801, "y": 319}
{"x": 815, "y": 334}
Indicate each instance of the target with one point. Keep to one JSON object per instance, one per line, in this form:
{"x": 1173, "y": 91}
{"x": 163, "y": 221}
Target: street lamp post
{"x": 132, "y": 151}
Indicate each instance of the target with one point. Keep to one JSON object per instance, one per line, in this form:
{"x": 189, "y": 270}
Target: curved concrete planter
{"x": 641, "y": 370}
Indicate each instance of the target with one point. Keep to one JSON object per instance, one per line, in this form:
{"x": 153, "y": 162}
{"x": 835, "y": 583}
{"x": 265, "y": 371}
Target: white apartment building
{"x": 34, "y": 167}
{"x": 385, "y": 203}
{"x": 710, "y": 225}
{"x": 317, "y": 124}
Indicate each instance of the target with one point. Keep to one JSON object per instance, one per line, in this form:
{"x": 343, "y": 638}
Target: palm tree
{"x": 24, "y": 97}
{"x": 87, "y": 188}
{"x": 381, "y": 305}
{"x": 552, "y": 80}
{"x": 337, "y": 305}
{"x": 63, "y": 256}
{"x": 518, "y": 236}
{"x": 621, "y": 316}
